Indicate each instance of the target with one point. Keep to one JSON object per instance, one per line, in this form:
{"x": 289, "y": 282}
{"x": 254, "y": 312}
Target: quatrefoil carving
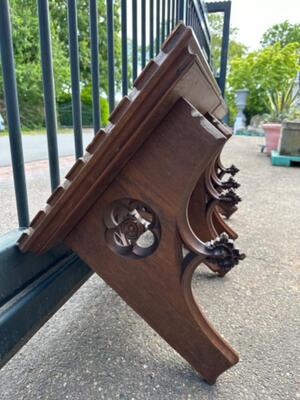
{"x": 132, "y": 228}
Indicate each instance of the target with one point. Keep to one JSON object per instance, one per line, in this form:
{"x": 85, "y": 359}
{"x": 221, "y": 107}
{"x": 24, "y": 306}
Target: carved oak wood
{"x": 142, "y": 206}
{"x": 159, "y": 287}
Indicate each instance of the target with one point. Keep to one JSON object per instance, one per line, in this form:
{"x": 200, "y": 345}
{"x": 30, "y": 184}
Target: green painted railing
{"x": 33, "y": 287}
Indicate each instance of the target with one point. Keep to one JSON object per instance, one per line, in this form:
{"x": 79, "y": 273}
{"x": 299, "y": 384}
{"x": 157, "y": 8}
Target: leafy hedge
{"x": 25, "y": 31}
{"x": 64, "y": 109}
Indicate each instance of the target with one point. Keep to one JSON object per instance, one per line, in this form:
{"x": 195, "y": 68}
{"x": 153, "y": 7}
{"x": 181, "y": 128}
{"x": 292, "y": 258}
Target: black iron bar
{"x": 95, "y": 65}
{"x": 49, "y": 91}
{"x": 110, "y": 54}
{"x": 151, "y": 22}
{"x": 157, "y": 26}
{"x": 75, "y": 76}
{"x": 124, "y": 47}
{"x": 143, "y": 28}
{"x": 13, "y": 116}
{"x": 168, "y": 22}
{"x": 134, "y": 41}
{"x": 163, "y": 22}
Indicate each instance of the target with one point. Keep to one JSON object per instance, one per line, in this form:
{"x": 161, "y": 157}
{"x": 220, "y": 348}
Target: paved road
{"x": 96, "y": 347}
{"x": 35, "y": 146}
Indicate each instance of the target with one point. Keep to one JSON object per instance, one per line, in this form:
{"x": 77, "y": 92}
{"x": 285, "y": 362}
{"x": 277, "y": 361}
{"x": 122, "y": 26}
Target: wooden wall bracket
{"x": 141, "y": 208}
{"x": 151, "y": 195}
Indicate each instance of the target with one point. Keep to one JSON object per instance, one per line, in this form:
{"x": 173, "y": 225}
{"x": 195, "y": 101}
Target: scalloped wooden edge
{"x": 130, "y": 124}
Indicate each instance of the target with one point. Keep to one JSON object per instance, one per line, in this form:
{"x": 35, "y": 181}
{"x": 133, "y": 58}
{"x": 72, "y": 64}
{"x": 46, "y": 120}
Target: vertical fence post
{"x": 95, "y": 65}
{"x": 157, "y": 26}
{"x": 180, "y": 10}
{"x": 193, "y": 21}
{"x": 134, "y": 40}
{"x": 168, "y": 17}
{"x": 124, "y": 47}
{"x": 225, "y": 8}
{"x": 187, "y": 13}
{"x": 173, "y": 13}
{"x": 75, "y": 76}
{"x": 13, "y": 117}
{"x": 163, "y": 22}
{"x": 151, "y": 23}
{"x": 49, "y": 93}
{"x": 143, "y": 28}
{"x": 110, "y": 54}
{"x": 225, "y": 44}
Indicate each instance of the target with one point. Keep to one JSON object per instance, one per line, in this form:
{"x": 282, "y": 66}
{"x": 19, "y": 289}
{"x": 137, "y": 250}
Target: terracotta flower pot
{"x": 272, "y": 133}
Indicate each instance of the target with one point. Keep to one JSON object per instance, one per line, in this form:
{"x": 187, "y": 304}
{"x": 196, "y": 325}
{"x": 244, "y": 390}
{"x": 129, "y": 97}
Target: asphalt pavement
{"x": 35, "y": 146}
{"x": 96, "y": 347}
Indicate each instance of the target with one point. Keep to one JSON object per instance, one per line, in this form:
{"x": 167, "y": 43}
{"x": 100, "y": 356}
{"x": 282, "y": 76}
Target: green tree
{"x": 27, "y": 53}
{"x": 284, "y": 33}
{"x": 216, "y": 30}
{"x": 261, "y": 71}
{"x": 27, "y": 62}
{"x": 59, "y": 16}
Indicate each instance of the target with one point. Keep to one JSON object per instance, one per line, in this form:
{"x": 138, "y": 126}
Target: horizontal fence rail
{"x": 131, "y": 31}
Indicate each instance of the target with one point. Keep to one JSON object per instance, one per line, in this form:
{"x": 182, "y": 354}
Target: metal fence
{"x": 33, "y": 288}
{"x": 149, "y": 23}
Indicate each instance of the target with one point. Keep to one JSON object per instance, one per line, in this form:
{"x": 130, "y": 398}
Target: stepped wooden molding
{"x": 179, "y": 70}
{"x": 143, "y": 207}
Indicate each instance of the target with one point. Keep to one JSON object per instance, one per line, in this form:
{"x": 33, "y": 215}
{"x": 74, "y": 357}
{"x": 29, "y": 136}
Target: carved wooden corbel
{"x": 128, "y": 207}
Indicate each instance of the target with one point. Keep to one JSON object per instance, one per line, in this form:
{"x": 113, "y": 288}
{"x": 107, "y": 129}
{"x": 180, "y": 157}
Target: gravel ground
{"x": 96, "y": 347}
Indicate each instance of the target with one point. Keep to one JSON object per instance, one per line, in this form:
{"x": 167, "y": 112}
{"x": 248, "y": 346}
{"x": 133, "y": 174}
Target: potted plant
{"x": 278, "y": 104}
{"x": 289, "y": 142}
